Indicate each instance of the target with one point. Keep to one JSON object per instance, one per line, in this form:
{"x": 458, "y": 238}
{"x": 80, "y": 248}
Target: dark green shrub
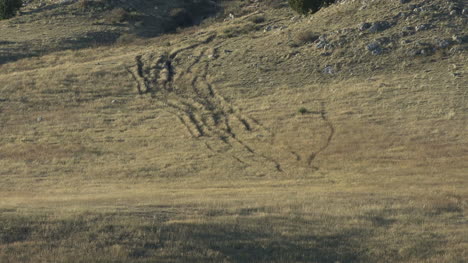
{"x": 181, "y": 17}
{"x": 257, "y": 19}
{"x": 8, "y": 8}
{"x": 308, "y": 6}
{"x": 303, "y": 110}
{"x": 276, "y": 4}
{"x": 95, "y": 5}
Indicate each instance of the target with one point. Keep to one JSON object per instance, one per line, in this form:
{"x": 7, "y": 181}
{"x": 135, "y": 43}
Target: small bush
{"x": 257, "y": 19}
{"x": 84, "y": 4}
{"x": 117, "y": 15}
{"x": 302, "y": 110}
{"x": 129, "y": 38}
{"x": 305, "y": 37}
{"x": 308, "y": 6}
{"x": 94, "y": 5}
{"x": 8, "y": 8}
{"x": 276, "y": 4}
{"x": 181, "y": 17}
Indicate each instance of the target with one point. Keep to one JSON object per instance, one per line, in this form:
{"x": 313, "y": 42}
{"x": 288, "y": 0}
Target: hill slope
{"x": 265, "y": 137}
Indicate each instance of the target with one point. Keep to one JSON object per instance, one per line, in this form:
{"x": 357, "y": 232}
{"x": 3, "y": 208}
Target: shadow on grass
{"x": 28, "y": 50}
{"x": 150, "y": 235}
{"x": 238, "y": 244}
{"x": 252, "y": 240}
{"x": 46, "y": 8}
{"x": 91, "y": 39}
{"x": 144, "y": 21}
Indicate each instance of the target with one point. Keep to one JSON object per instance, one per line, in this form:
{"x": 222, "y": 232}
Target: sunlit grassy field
{"x": 317, "y": 219}
{"x": 230, "y": 143}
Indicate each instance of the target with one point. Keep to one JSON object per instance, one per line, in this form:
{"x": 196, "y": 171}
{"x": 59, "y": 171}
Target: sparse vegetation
{"x": 127, "y": 38}
{"x": 235, "y": 31}
{"x": 234, "y": 141}
{"x": 8, "y": 8}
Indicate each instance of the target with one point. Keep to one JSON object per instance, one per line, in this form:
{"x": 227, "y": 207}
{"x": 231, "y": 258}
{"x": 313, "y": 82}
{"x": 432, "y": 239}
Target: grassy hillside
{"x": 258, "y": 137}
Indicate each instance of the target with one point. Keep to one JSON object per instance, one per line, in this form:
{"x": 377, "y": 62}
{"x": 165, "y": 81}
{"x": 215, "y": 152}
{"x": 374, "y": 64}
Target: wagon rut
{"x": 184, "y": 90}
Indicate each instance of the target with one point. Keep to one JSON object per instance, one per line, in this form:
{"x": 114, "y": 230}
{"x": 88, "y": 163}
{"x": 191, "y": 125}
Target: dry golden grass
{"x": 374, "y": 171}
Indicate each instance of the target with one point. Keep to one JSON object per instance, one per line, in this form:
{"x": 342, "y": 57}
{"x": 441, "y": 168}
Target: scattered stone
{"x": 407, "y": 31}
{"x": 346, "y": 31}
{"x": 451, "y": 115}
{"x": 400, "y": 15}
{"x": 329, "y": 70}
{"x": 291, "y": 54}
{"x": 457, "y": 49}
{"x": 442, "y": 43}
{"x": 363, "y": 7}
{"x": 325, "y": 54}
{"x": 230, "y": 17}
{"x": 270, "y": 28}
{"x": 114, "y": 101}
{"x": 421, "y": 43}
{"x": 364, "y": 26}
{"x": 342, "y": 42}
{"x": 377, "y": 52}
{"x": 322, "y": 43}
{"x": 383, "y": 40}
{"x": 460, "y": 39}
{"x": 454, "y": 8}
{"x": 227, "y": 51}
{"x": 404, "y": 1}
{"x": 39, "y": 119}
{"x": 373, "y": 46}
{"x": 414, "y": 52}
{"x": 379, "y": 26}
{"x": 422, "y": 48}
{"x": 423, "y": 27}
{"x": 405, "y": 41}
{"x": 427, "y": 51}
